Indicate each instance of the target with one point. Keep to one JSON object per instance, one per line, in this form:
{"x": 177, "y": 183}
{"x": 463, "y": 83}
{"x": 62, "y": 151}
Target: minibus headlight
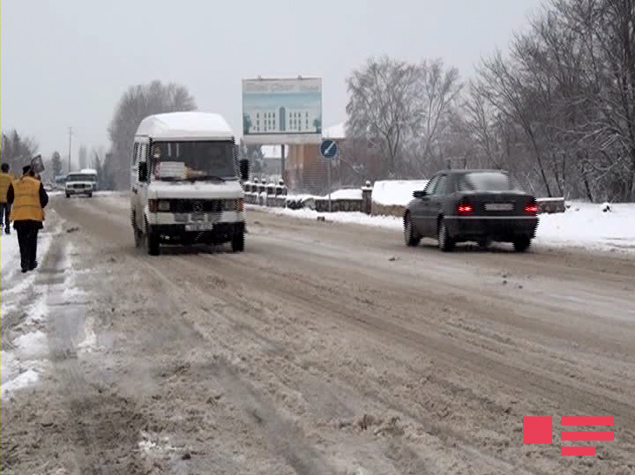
{"x": 233, "y": 205}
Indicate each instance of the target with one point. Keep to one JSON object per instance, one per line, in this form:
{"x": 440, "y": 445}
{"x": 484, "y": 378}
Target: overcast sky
{"x": 65, "y": 63}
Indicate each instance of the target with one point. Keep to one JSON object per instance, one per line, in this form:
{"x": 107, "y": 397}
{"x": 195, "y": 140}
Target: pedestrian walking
{"x": 28, "y": 199}
{"x": 6, "y": 178}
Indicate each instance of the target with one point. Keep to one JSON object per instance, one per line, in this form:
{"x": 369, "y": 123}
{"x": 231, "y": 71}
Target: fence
{"x": 275, "y": 195}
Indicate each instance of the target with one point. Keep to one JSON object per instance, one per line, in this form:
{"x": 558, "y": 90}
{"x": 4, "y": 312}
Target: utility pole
{"x": 70, "y": 136}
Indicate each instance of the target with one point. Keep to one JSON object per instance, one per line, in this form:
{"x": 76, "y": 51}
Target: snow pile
{"x": 10, "y": 256}
{"x": 589, "y": 225}
{"x": 23, "y": 380}
{"x": 396, "y": 193}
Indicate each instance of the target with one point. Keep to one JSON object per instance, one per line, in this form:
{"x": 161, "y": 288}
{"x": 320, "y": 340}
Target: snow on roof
{"x": 91, "y": 171}
{"x": 185, "y": 126}
{"x": 395, "y": 192}
{"x": 336, "y": 132}
{"x": 273, "y": 151}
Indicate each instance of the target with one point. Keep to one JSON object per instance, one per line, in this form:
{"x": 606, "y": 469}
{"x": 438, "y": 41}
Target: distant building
{"x": 282, "y": 120}
{"x": 306, "y": 169}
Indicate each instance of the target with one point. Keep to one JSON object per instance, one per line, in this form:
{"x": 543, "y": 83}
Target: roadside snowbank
{"x": 583, "y": 225}
{"x": 14, "y": 282}
{"x": 10, "y": 256}
{"x": 395, "y": 192}
{"x": 23, "y": 363}
{"x": 587, "y": 225}
{"x": 344, "y": 194}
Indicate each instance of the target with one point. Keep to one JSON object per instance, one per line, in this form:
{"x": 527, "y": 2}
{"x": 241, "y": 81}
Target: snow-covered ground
{"x": 583, "y": 225}
{"x": 24, "y": 304}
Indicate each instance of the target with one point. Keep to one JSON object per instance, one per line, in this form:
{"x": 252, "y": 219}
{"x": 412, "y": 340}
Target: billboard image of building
{"x": 282, "y": 111}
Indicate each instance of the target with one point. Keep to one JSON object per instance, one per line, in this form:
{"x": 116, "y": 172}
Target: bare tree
{"x": 137, "y": 103}
{"x": 382, "y": 107}
{"x": 56, "y": 164}
{"x": 16, "y": 150}
{"x": 437, "y": 90}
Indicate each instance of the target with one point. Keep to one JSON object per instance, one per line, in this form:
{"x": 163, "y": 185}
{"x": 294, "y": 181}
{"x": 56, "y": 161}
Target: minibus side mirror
{"x": 143, "y": 171}
{"x": 244, "y": 169}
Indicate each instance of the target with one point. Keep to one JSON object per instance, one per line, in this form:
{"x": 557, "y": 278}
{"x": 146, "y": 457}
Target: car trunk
{"x": 492, "y": 204}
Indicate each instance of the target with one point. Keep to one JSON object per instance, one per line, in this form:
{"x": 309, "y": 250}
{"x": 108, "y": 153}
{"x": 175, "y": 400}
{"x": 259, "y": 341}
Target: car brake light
{"x": 532, "y": 208}
{"x": 153, "y": 205}
{"x": 465, "y": 208}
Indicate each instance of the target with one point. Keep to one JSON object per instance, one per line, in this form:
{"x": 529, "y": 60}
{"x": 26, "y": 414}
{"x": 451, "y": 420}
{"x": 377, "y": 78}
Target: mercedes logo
{"x": 197, "y": 206}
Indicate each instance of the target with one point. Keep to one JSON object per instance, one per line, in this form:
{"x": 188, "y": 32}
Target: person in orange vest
{"x": 28, "y": 199}
{"x": 6, "y": 178}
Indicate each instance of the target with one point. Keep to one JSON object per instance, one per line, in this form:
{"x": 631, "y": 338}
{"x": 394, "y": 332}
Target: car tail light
{"x": 465, "y": 208}
{"x": 153, "y": 206}
{"x": 241, "y": 205}
{"x": 531, "y": 208}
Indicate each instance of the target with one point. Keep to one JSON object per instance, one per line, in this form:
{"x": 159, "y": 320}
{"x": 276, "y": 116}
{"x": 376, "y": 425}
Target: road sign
{"x": 328, "y": 149}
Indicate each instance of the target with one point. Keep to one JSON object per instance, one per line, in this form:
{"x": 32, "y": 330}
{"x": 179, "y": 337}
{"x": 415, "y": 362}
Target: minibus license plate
{"x": 199, "y": 227}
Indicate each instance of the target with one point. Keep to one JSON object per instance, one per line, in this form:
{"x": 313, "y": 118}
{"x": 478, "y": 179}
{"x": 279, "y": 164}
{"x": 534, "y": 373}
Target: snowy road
{"x": 324, "y": 349}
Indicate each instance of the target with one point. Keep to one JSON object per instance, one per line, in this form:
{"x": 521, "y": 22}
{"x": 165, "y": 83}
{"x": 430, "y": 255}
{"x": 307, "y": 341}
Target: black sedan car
{"x": 471, "y": 205}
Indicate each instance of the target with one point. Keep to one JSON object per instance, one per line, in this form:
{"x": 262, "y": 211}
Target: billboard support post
{"x": 283, "y": 165}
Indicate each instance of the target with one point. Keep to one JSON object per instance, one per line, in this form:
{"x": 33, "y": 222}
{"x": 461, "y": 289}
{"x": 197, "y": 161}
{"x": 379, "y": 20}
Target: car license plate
{"x": 199, "y": 227}
{"x": 499, "y": 206}
{"x": 197, "y": 217}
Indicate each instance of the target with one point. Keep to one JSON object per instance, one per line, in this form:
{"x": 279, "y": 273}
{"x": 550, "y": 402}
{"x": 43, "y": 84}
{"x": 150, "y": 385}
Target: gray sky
{"x": 67, "y": 62}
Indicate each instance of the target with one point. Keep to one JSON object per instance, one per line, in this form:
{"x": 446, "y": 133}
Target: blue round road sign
{"x": 328, "y": 149}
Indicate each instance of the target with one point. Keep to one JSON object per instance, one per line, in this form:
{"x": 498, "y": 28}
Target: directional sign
{"x": 328, "y": 149}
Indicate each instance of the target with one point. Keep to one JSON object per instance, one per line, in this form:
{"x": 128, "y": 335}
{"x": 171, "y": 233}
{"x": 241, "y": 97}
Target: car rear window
{"x": 487, "y": 181}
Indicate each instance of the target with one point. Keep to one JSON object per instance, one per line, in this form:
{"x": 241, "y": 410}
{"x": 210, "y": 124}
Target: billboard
{"x": 282, "y": 111}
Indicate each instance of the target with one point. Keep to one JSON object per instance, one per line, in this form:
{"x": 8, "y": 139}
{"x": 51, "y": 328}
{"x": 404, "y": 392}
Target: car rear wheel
{"x": 521, "y": 244}
{"x": 68, "y": 195}
{"x": 410, "y": 235}
{"x": 446, "y": 244}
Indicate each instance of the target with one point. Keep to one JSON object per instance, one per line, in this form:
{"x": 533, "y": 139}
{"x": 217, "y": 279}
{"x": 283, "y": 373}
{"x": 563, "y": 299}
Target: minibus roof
{"x": 185, "y": 126}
